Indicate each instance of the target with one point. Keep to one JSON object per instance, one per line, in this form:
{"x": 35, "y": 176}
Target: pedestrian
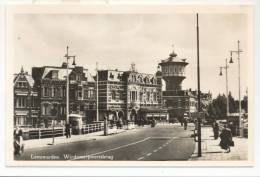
{"x": 232, "y": 128}
{"x": 185, "y": 123}
{"x": 68, "y": 130}
{"x": 18, "y": 141}
{"x": 226, "y": 139}
{"x": 216, "y": 130}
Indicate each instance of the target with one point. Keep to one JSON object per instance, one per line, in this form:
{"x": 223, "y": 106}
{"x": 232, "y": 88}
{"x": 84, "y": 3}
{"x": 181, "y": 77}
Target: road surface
{"x": 161, "y": 143}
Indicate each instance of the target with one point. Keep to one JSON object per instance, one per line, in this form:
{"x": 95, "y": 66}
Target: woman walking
{"x": 226, "y": 139}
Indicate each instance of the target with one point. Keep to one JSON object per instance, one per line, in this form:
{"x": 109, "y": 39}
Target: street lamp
{"x": 198, "y": 76}
{"x": 226, "y": 68}
{"x": 67, "y": 56}
{"x": 97, "y": 113}
{"x": 238, "y": 51}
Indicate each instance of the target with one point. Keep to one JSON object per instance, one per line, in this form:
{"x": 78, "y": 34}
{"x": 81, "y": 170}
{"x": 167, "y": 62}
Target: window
{"x": 21, "y": 102}
{"x": 32, "y": 101}
{"x": 148, "y": 96}
{"x": 154, "y": 96}
{"x": 78, "y": 77}
{"x": 45, "y": 91}
{"x": 141, "y": 96}
{"x": 54, "y": 74}
{"x": 64, "y": 91}
{"x": 44, "y": 109}
{"x": 111, "y": 76}
{"x": 113, "y": 94}
{"x": 21, "y": 84}
{"x": 85, "y": 93}
{"x": 133, "y": 95}
{"x": 80, "y": 93}
{"x": 121, "y": 95}
{"x": 91, "y": 93}
{"x": 52, "y": 92}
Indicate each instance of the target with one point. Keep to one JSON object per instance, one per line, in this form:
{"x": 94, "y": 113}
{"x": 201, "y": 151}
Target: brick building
{"x": 26, "y": 103}
{"x": 129, "y": 95}
{"x": 50, "y": 83}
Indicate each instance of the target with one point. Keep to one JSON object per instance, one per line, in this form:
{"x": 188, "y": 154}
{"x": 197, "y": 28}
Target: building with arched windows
{"x": 130, "y": 96}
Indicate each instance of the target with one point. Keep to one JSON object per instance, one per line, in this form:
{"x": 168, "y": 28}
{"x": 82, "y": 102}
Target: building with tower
{"x": 181, "y": 103}
{"x": 178, "y": 102}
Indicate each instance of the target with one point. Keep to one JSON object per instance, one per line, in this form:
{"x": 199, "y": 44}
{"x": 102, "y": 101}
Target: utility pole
{"x": 198, "y": 75}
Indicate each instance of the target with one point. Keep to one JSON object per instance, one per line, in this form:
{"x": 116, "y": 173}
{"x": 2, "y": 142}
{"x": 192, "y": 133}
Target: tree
{"x": 218, "y": 108}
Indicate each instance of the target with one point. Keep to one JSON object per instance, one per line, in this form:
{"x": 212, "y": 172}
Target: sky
{"x": 117, "y": 40}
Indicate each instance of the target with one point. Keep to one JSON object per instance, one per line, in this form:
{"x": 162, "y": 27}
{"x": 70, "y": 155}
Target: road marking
{"x": 119, "y": 147}
{"x": 148, "y": 154}
{"x": 163, "y": 137}
{"x": 140, "y": 158}
{"x": 165, "y": 144}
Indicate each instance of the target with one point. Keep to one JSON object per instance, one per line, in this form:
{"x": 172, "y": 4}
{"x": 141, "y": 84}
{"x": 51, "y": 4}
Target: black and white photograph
{"x": 169, "y": 86}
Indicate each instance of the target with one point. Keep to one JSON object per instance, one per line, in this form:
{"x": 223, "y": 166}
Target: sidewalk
{"x": 212, "y": 151}
{"x": 37, "y": 143}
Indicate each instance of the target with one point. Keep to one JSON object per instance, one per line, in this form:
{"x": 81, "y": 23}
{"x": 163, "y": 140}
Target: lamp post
{"x": 226, "y": 68}
{"x": 97, "y": 116}
{"x": 198, "y": 75}
{"x": 67, "y": 56}
{"x": 238, "y": 51}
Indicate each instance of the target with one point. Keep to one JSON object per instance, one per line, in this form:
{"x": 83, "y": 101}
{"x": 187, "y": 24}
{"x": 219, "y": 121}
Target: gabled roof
{"x": 30, "y": 80}
{"x": 26, "y": 75}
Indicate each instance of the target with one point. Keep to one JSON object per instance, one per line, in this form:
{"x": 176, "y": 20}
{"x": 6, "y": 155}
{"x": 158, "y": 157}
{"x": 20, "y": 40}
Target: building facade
{"x": 26, "y": 103}
{"x": 50, "y": 83}
{"x": 129, "y": 95}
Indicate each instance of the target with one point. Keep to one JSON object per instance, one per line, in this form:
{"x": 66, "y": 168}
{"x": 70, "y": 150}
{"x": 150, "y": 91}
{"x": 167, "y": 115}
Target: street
{"x": 164, "y": 142}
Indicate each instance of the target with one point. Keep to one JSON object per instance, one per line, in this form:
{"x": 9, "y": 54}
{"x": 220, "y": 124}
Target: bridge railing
{"x": 39, "y": 133}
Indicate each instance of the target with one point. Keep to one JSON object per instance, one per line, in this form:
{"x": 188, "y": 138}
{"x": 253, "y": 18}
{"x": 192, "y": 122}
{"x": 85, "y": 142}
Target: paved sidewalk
{"x": 212, "y": 151}
{"x": 37, "y": 143}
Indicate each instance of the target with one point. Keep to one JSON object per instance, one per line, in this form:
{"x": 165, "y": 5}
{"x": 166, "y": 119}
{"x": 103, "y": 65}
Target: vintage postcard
{"x": 129, "y": 85}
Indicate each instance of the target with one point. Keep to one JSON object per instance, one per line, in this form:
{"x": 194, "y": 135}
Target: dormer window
{"x": 78, "y": 77}
{"x": 119, "y": 76}
{"x": 54, "y": 74}
{"x": 111, "y": 76}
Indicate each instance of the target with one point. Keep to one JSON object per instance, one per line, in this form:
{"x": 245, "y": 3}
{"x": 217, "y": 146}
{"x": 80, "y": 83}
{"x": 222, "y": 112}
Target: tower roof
{"x": 173, "y": 58}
